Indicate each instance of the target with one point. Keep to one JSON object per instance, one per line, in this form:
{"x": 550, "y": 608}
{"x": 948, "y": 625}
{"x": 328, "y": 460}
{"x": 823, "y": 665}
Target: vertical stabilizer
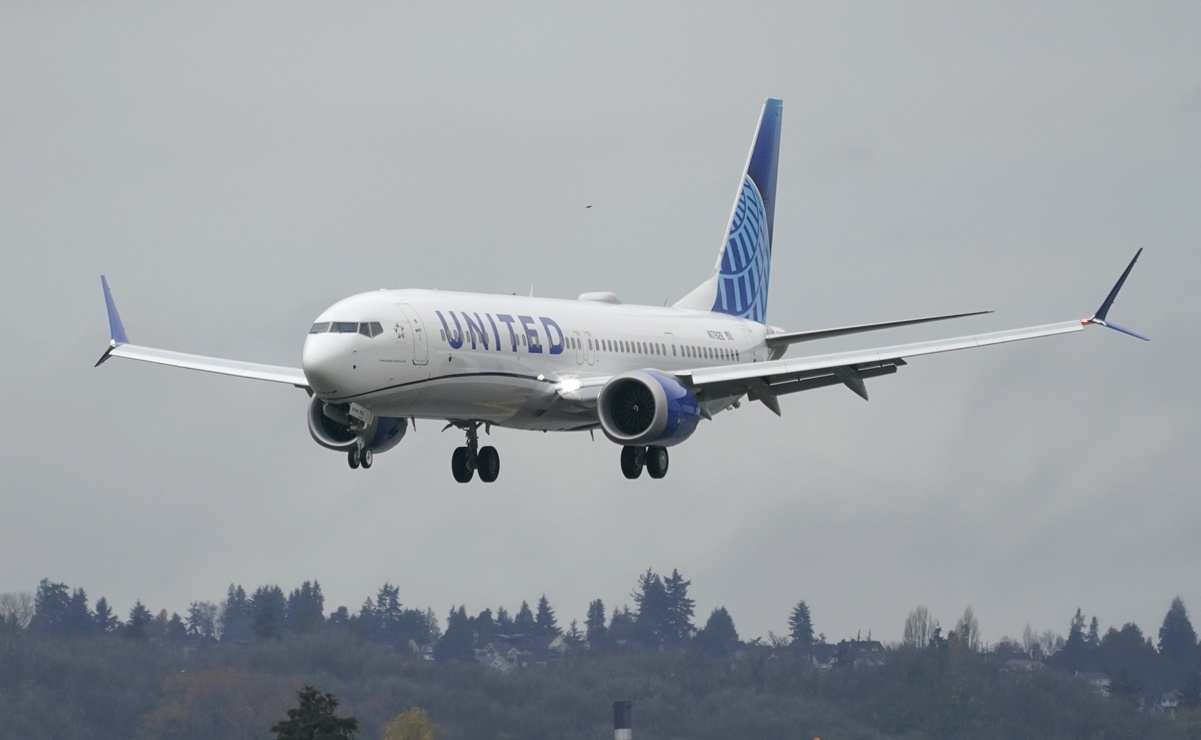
{"x": 740, "y": 279}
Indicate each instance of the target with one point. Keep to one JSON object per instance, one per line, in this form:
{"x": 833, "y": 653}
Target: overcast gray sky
{"x": 234, "y": 170}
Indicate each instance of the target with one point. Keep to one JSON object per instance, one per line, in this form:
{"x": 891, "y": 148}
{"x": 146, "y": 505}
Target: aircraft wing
{"x": 765, "y": 381}
{"x": 119, "y": 346}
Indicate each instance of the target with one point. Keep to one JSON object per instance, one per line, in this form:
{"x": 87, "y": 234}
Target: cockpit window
{"x": 367, "y": 329}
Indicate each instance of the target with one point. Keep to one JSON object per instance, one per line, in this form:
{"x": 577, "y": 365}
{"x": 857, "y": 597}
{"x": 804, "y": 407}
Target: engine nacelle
{"x": 646, "y": 407}
{"x": 332, "y": 427}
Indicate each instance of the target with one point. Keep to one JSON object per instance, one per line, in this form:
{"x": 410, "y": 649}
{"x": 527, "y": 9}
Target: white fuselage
{"x": 500, "y": 358}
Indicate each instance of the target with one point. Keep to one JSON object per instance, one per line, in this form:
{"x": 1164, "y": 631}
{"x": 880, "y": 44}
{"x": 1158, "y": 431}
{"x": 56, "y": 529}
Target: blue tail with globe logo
{"x": 740, "y": 281}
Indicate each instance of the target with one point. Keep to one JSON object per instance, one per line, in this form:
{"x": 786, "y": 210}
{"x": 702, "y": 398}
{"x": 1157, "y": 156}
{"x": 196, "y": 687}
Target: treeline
{"x": 1166, "y": 672}
{"x": 232, "y": 669}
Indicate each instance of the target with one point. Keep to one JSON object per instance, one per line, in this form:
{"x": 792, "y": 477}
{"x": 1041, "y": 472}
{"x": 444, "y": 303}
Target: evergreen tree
{"x": 235, "y": 615}
{"x": 574, "y": 636}
{"x": 1074, "y": 655}
{"x": 1093, "y": 639}
{"x": 1177, "y": 642}
{"x": 653, "y": 610}
{"x": 623, "y": 626}
{"x": 524, "y": 623}
{"x": 504, "y": 623}
{"x": 594, "y": 625}
{"x": 1128, "y": 652}
{"x": 678, "y": 627}
{"x": 306, "y": 608}
{"x": 364, "y": 624}
{"x": 176, "y": 629}
{"x": 80, "y": 620}
{"x": 389, "y": 615}
{"x": 158, "y": 626}
{"x": 544, "y": 621}
{"x": 485, "y": 628}
{"x": 268, "y": 612}
{"x": 339, "y": 618}
{"x": 106, "y": 622}
{"x": 51, "y": 609}
{"x": 718, "y": 637}
{"x": 314, "y": 719}
{"x": 458, "y": 643}
{"x": 800, "y": 625}
{"x": 139, "y": 621}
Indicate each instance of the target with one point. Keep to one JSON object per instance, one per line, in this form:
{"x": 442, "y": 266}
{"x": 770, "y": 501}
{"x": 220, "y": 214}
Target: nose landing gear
{"x": 470, "y": 458}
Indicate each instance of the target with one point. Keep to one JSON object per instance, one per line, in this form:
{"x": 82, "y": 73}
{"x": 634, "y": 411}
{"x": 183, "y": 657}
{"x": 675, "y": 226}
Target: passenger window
{"x": 673, "y": 350}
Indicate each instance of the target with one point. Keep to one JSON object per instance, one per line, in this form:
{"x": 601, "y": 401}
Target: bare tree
{"x": 919, "y": 626}
{"x": 17, "y": 608}
{"x": 1050, "y": 643}
{"x": 1029, "y": 640}
{"x": 967, "y": 630}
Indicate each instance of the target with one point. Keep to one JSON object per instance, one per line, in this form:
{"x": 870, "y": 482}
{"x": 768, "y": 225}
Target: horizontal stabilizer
{"x": 794, "y": 337}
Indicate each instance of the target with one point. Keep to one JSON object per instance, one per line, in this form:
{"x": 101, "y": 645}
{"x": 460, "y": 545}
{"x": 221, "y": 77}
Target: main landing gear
{"x": 358, "y": 457}
{"x": 471, "y": 458}
{"x": 654, "y": 459}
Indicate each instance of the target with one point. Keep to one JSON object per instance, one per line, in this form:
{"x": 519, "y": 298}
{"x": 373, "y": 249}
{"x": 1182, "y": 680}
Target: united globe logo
{"x": 746, "y": 260}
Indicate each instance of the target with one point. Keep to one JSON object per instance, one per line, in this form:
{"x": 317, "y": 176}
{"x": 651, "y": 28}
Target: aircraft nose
{"x": 325, "y": 363}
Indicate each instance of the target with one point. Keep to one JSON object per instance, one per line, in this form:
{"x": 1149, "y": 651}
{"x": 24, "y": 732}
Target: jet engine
{"x": 332, "y": 426}
{"x": 647, "y": 407}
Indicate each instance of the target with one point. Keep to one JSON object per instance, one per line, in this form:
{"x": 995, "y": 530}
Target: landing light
{"x": 569, "y": 386}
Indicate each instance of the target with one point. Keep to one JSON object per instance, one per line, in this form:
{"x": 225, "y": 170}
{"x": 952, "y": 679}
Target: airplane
{"x": 646, "y": 376}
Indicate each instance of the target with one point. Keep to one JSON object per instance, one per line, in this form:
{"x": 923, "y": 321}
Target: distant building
{"x": 1099, "y": 682}
{"x": 507, "y": 653}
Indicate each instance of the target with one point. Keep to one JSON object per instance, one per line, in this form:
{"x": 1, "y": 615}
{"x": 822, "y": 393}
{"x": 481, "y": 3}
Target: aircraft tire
{"x": 657, "y": 461}
{"x": 459, "y": 465}
{"x": 352, "y": 458}
{"x": 488, "y": 463}
{"x": 365, "y": 458}
{"x": 631, "y": 464}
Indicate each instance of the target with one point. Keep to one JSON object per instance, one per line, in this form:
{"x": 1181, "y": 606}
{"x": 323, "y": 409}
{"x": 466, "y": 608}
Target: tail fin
{"x": 740, "y": 279}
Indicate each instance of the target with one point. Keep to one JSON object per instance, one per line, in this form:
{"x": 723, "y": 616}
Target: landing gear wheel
{"x": 656, "y": 461}
{"x": 352, "y": 458}
{"x": 365, "y": 458}
{"x": 488, "y": 464}
{"x": 460, "y": 465}
{"x": 631, "y": 461}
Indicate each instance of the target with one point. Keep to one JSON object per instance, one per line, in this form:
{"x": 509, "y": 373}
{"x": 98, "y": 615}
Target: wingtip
{"x": 116, "y": 329}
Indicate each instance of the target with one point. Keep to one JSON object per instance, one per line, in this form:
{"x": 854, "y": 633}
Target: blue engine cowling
{"x": 331, "y": 427}
{"x": 647, "y": 407}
